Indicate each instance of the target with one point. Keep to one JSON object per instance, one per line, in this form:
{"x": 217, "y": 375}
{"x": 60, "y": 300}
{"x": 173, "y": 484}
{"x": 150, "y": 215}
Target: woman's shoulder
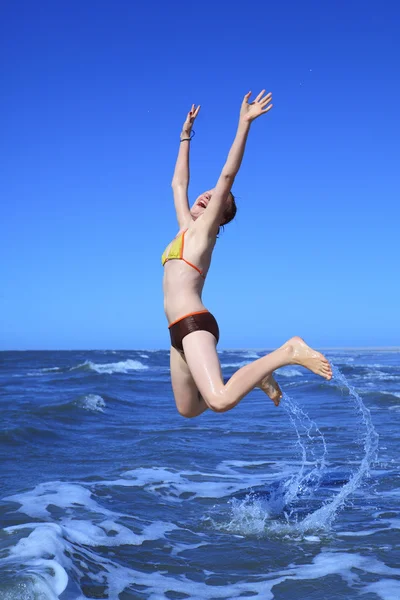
{"x": 200, "y": 229}
{"x": 200, "y": 238}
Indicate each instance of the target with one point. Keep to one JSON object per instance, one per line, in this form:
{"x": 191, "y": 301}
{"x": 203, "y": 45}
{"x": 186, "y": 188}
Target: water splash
{"x": 324, "y": 516}
{"x": 257, "y": 515}
{"x": 305, "y": 482}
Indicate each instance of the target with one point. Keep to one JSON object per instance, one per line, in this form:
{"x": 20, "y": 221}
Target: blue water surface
{"x": 107, "y": 492}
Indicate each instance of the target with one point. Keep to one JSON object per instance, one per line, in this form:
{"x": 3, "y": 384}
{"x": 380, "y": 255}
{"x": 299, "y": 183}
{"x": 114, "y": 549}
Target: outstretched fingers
{"x": 265, "y": 103}
{"x": 260, "y": 95}
{"x": 266, "y": 98}
{"x": 264, "y": 110}
{"x": 260, "y": 105}
{"x": 192, "y": 114}
{"x": 195, "y": 111}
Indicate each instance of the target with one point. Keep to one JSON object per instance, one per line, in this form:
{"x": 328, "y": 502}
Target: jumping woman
{"x": 196, "y": 373}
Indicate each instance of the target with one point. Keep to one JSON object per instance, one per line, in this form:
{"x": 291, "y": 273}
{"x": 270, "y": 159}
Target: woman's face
{"x": 201, "y": 203}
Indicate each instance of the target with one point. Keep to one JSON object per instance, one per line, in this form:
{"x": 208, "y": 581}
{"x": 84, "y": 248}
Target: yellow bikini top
{"x": 175, "y": 252}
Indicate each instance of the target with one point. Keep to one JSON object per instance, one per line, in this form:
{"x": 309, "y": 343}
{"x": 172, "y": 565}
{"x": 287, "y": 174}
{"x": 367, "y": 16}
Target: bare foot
{"x": 271, "y": 388}
{"x": 303, "y": 355}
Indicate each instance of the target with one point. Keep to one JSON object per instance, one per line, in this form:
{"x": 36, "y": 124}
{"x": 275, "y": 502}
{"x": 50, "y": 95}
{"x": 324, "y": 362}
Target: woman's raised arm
{"x": 248, "y": 113}
{"x": 180, "y": 180}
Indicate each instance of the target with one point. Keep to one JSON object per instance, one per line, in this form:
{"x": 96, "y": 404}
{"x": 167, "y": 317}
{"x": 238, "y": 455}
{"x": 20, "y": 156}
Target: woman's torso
{"x": 183, "y": 283}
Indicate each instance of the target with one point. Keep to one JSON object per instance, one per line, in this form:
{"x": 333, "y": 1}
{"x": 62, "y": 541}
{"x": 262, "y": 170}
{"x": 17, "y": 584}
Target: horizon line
{"x": 348, "y": 348}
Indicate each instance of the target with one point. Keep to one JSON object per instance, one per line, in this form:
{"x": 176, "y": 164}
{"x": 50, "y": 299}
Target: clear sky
{"x": 92, "y": 101}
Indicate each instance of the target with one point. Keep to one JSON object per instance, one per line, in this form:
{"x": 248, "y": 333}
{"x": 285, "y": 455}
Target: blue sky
{"x": 93, "y": 98}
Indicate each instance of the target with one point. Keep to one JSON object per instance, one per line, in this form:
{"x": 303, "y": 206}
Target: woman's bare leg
{"x": 187, "y": 397}
{"x": 203, "y": 362}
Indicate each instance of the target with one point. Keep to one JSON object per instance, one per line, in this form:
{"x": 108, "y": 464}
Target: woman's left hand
{"x": 190, "y": 119}
{"x": 259, "y": 106}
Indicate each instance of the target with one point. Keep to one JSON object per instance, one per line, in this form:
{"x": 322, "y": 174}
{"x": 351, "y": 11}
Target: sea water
{"x": 107, "y": 492}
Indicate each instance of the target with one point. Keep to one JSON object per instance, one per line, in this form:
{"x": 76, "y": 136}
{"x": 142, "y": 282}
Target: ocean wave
{"x": 250, "y": 354}
{"x": 235, "y": 365}
{"x": 67, "y": 410}
{"x": 372, "y": 370}
{"x": 289, "y": 372}
{"x": 60, "y": 547}
{"x": 284, "y": 371}
{"x": 91, "y": 402}
{"x": 180, "y": 486}
{"x": 384, "y": 399}
{"x": 116, "y": 367}
{"x": 379, "y": 366}
{"x": 382, "y": 376}
{"x": 392, "y": 394}
{"x": 16, "y": 435}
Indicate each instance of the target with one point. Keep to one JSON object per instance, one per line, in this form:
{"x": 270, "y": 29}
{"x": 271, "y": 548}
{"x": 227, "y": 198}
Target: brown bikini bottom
{"x": 198, "y": 321}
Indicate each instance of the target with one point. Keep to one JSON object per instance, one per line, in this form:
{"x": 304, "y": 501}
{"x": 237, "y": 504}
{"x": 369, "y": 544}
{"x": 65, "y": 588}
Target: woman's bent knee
{"x": 217, "y": 403}
{"x": 191, "y": 406}
{"x": 186, "y": 412}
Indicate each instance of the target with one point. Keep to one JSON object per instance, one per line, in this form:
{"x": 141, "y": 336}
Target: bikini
{"x": 201, "y": 320}
{"x": 175, "y": 251}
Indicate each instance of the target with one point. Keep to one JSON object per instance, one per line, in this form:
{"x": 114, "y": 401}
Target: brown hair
{"x": 229, "y": 213}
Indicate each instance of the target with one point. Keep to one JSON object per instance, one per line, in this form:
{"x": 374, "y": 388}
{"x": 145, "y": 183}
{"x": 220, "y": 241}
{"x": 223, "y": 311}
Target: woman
{"x": 195, "y": 369}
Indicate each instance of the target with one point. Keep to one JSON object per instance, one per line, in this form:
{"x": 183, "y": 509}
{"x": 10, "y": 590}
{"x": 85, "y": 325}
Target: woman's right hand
{"x": 188, "y": 124}
{"x": 252, "y": 110}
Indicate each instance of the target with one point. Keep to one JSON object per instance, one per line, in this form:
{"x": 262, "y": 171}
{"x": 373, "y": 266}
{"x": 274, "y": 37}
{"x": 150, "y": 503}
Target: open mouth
{"x": 202, "y": 203}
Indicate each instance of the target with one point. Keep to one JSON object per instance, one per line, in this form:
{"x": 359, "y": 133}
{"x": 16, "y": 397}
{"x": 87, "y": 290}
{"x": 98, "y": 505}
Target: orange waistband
{"x": 199, "y": 312}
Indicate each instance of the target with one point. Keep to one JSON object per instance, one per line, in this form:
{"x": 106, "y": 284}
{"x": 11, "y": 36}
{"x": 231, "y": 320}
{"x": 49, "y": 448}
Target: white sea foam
{"x": 387, "y": 589}
{"x": 91, "y": 402}
{"x": 179, "y": 547}
{"x": 110, "y": 533}
{"x": 329, "y": 563}
{"x": 380, "y": 376}
{"x": 174, "y": 485}
{"x": 75, "y": 497}
{"x": 117, "y": 577}
{"x": 377, "y": 366}
{"x": 123, "y": 366}
{"x": 289, "y": 372}
{"x": 235, "y": 365}
{"x": 363, "y": 533}
{"x": 34, "y": 503}
{"x": 251, "y": 354}
{"x": 71, "y": 536}
{"x": 47, "y": 552}
{"x": 109, "y": 368}
{"x": 46, "y": 576}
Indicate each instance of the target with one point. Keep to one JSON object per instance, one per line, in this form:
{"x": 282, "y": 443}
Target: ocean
{"x": 107, "y": 492}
